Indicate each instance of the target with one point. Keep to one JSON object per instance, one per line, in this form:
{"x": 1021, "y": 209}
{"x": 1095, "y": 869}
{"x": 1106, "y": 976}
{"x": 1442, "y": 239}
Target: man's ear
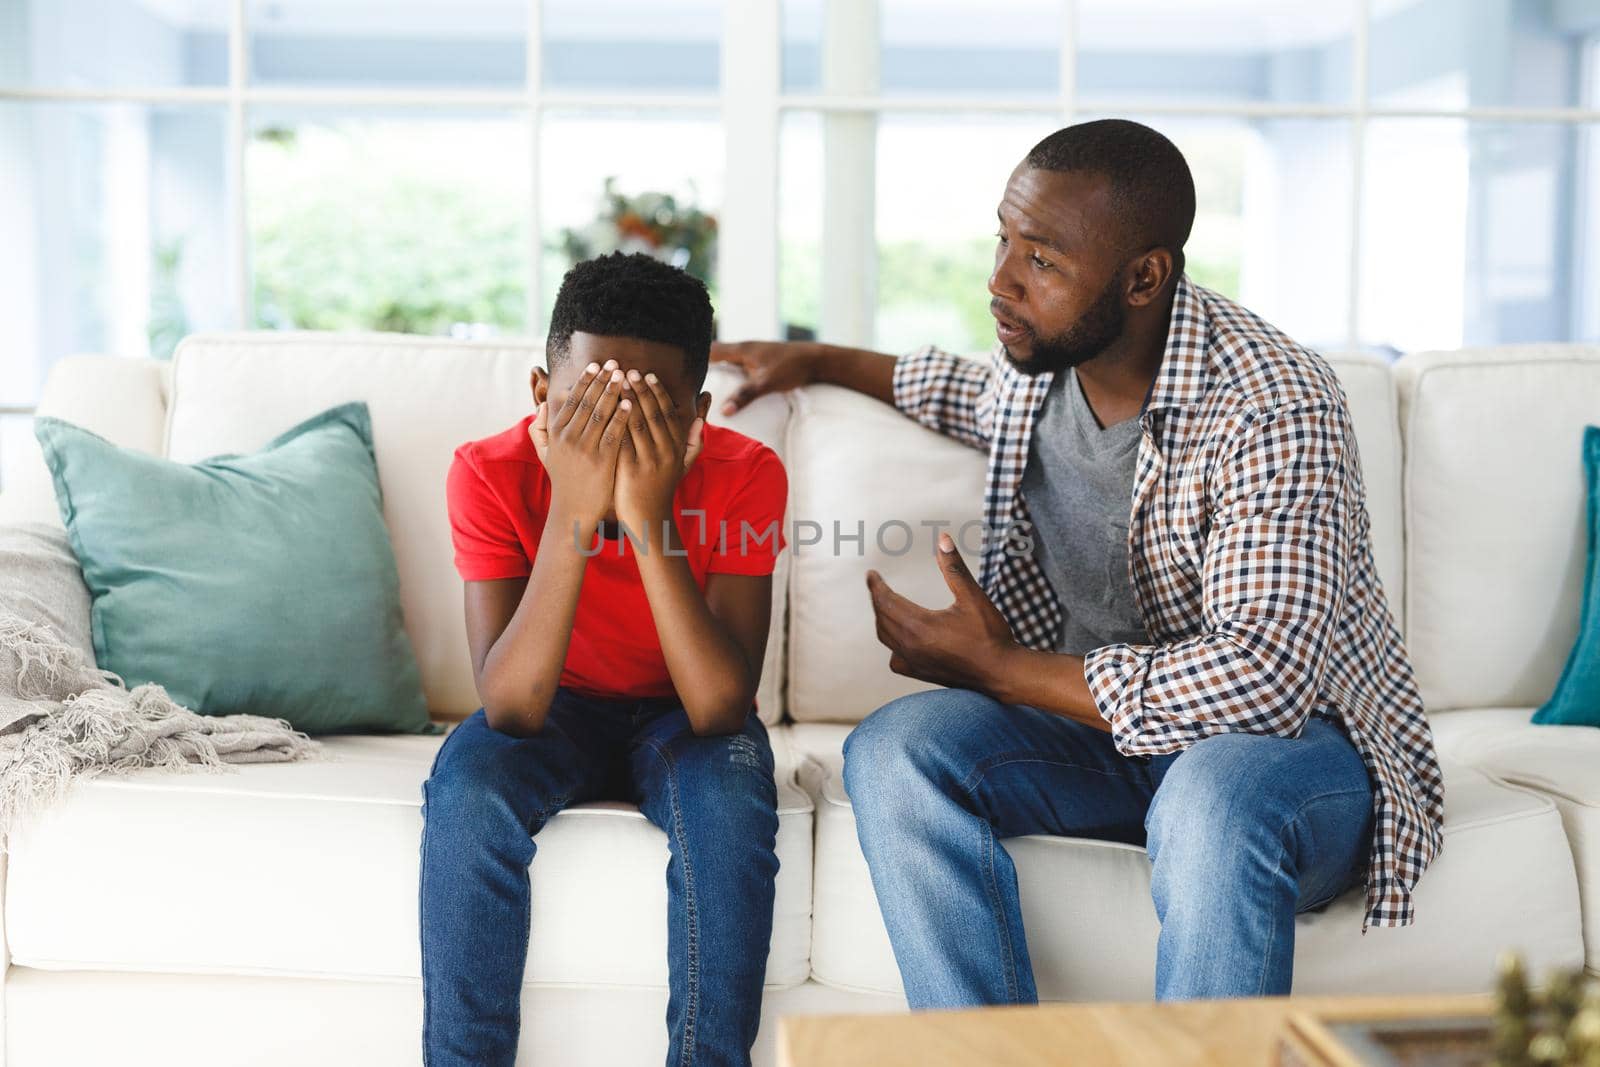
{"x": 539, "y": 382}
{"x": 702, "y": 404}
{"x": 1149, "y": 276}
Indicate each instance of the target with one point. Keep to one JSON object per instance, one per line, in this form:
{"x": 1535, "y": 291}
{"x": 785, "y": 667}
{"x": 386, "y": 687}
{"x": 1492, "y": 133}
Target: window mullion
{"x": 1069, "y": 61}
{"x": 1358, "y": 150}
{"x": 533, "y": 125}
{"x": 849, "y": 160}
{"x": 747, "y": 242}
{"x": 238, "y": 145}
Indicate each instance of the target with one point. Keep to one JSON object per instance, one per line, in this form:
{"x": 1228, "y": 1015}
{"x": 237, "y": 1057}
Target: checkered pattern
{"x": 1250, "y": 555}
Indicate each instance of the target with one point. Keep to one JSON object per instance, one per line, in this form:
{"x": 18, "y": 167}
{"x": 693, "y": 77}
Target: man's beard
{"x": 1092, "y": 334}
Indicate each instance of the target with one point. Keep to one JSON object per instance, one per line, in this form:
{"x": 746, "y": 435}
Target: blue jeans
{"x": 1242, "y": 830}
{"x": 488, "y": 795}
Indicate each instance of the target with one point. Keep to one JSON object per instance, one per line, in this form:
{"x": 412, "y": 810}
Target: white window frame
{"x": 752, "y": 105}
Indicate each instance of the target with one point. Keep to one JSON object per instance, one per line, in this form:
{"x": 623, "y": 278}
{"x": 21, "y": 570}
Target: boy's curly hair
{"x": 619, "y": 295}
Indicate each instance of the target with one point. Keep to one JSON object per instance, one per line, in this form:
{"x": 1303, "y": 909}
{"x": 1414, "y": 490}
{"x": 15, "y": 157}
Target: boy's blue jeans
{"x": 489, "y": 793}
{"x": 1243, "y": 831}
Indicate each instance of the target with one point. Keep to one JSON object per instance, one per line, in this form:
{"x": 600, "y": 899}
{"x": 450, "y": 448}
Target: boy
{"x": 618, "y": 555}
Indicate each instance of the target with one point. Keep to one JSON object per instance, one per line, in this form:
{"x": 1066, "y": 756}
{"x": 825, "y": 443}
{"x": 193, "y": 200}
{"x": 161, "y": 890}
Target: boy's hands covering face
{"x": 579, "y": 444}
{"x": 641, "y": 481}
{"x": 659, "y": 450}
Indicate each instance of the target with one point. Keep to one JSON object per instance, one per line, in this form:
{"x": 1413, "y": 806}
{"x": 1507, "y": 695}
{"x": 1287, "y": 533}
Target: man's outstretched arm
{"x": 946, "y": 393}
{"x": 777, "y": 366}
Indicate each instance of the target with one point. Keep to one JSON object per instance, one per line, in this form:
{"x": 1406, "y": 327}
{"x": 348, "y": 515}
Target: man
{"x": 1194, "y": 653}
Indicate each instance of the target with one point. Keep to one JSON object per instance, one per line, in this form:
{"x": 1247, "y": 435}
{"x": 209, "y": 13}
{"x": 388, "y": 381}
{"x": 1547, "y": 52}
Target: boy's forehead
{"x": 631, "y": 353}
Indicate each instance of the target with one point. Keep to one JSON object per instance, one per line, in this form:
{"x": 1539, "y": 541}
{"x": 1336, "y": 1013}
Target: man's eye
{"x": 1040, "y": 263}
{"x": 1001, "y": 235}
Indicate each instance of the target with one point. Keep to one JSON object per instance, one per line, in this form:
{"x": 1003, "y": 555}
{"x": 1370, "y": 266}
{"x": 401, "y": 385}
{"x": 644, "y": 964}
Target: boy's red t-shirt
{"x": 499, "y": 496}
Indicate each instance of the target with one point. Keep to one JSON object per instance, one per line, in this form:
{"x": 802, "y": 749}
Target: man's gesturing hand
{"x": 580, "y": 443}
{"x": 959, "y": 646}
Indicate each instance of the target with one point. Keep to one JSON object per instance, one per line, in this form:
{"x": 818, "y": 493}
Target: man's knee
{"x": 905, "y": 742}
{"x": 1218, "y": 794}
{"x": 882, "y": 740}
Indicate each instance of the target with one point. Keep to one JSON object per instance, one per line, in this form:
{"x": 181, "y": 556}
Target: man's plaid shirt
{"x": 1249, "y": 555}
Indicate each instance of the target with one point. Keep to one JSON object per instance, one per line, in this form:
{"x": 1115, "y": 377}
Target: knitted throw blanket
{"x": 62, "y": 718}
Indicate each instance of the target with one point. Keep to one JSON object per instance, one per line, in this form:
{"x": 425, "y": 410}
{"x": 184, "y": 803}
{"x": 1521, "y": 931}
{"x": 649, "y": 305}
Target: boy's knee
{"x": 727, "y": 780}
{"x": 454, "y": 793}
{"x": 467, "y": 773}
{"x": 481, "y": 783}
{"x": 714, "y": 756}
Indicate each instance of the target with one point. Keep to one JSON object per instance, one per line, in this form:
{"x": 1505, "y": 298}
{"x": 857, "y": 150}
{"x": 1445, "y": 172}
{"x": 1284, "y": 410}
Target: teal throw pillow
{"x": 1576, "y": 701}
{"x": 262, "y": 584}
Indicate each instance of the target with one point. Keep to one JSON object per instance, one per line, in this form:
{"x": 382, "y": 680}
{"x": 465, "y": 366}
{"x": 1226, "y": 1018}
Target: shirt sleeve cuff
{"x": 1115, "y": 674}
{"x": 490, "y": 569}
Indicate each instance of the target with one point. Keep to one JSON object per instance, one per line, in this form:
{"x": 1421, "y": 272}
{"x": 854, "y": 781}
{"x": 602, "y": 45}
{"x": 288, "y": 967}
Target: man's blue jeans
{"x": 489, "y": 793}
{"x": 1243, "y": 831}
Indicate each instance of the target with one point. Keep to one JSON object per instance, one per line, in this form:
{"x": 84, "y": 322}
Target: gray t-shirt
{"x": 1079, "y": 488}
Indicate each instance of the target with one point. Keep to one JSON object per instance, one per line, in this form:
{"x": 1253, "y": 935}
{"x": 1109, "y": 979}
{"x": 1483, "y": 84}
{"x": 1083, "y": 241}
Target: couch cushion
{"x": 122, "y": 400}
{"x": 1561, "y": 762}
{"x": 1375, "y": 411}
{"x": 1494, "y": 497}
{"x": 858, "y": 466}
{"x": 1092, "y": 928}
{"x": 311, "y": 869}
{"x": 234, "y": 392}
{"x": 338, "y": 1023}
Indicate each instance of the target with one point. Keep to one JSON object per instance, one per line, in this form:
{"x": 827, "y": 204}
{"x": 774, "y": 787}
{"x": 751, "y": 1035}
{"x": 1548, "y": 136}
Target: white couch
{"x": 269, "y": 915}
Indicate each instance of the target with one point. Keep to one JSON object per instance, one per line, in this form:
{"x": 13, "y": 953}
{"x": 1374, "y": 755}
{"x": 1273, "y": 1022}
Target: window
{"x": 371, "y": 44}
{"x": 1334, "y": 144}
{"x": 1388, "y": 174}
{"x": 934, "y": 218}
{"x": 636, "y": 46}
{"x": 679, "y": 155}
{"x": 1498, "y": 211}
{"x": 388, "y": 220}
{"x": 115, "y": 45}
{"x": 1276, "y": 52}
{"x": 113, "y": 216}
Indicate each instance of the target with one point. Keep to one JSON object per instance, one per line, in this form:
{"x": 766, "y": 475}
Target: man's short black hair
{"x": 619, "y": 295}
{"x": 1152, "y": 191}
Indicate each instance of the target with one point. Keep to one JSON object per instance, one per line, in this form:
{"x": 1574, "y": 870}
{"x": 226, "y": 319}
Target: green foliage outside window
{"x": 376, "y": 250}
{"x": 380, "y": 251}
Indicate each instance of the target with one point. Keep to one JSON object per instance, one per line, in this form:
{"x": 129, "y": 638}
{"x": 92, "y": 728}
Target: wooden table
{"x": 1206, "y": 1033}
